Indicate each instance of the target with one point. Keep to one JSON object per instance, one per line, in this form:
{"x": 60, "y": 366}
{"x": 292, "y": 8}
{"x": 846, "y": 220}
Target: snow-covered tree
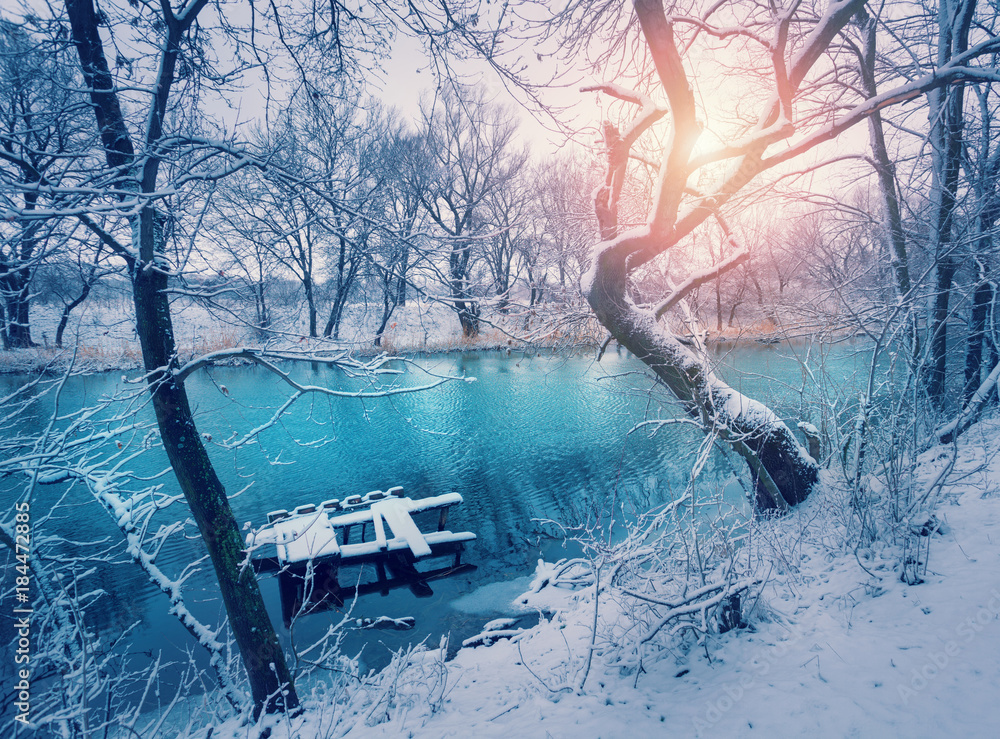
{"x": 734, "y": 91}
{"x": 472, "y": 151}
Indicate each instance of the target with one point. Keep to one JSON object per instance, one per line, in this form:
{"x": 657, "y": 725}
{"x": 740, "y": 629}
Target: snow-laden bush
{"x": 655, "y": 584}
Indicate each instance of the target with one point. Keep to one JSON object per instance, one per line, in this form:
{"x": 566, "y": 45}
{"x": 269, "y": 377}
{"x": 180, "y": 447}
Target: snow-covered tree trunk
{"x": 783, "y": 472}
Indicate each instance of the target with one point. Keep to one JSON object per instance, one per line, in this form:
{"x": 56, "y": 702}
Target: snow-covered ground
{"x": 836, "y": 645}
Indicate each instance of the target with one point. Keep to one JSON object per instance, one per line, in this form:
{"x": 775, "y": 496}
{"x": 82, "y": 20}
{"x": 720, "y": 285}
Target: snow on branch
{"x": 267, "y": 359}
{"x": 698, "y": 279}
{"x": 75, "y": 446}
{"x": 772, "y": 126}
{"x": 778, "y": 48}
{"x": 777, "y": 124}
{"x": 946, "y": 75}
{"x": 132, "y": 516}
{"x": 207, "y": 360}
{"x": 617, "y": 146}
{"x": 950, "y": 431}
{"x": 781, "y": 129}
{"x": 342, "y": 360}
{"x": 698, "y": 601}
{"x": 649, "y": 111}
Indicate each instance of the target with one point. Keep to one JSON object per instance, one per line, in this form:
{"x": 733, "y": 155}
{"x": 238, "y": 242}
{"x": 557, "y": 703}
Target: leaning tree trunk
{"x": 270, "y": 680}
{"x": 68, "y": 308}
{"x": 783, "y": 473}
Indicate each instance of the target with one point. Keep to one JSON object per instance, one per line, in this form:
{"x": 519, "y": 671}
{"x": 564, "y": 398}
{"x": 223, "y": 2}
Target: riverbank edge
{"x": 87, "y": 358}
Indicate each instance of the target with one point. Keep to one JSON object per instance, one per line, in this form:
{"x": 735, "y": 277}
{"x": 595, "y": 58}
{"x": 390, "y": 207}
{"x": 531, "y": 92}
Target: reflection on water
{"x": 535, "y": 437}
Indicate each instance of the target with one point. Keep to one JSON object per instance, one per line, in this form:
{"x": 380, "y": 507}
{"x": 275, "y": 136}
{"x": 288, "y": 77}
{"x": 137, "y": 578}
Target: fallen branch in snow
{"x": 925, "y": 501}
{"x": 699, "y": 601}
{"x": 486, "y": 638}
{"x": 387, "y": 622}
{"x": 566, "y": 573}
{"x": 950, "y": 431}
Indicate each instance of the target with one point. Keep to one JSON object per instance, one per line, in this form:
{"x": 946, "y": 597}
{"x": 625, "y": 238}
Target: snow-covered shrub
{"x": 415, "y": 681}
{"x": 657, "y": 584}
{"x": 85, "y": 678}
{"x": 873, "y": 425}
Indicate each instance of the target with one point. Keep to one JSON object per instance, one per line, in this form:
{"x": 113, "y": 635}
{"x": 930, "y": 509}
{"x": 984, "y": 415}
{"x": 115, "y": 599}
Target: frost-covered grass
{"x": 102, "y": 332}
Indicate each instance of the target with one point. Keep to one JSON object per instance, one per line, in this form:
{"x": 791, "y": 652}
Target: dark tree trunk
{"x": 347, "y": 270}
{"x": 307, "y": 287}
{"x": 18, "y": 324}
{"x": 260, "y": 305}
{"x": 270, "y": 681}
{"x": 388, "y": 306}
{"x": 16, "y": 282}
{"x": 67, "y": 309}
{"x": 467, "y": 310}
{"x": 393, "y": 279}
{"x": 204, "y": 492}
{"x": 982, "y": 318}
{"x": 401, "y": 286}
{"x": 983, "y": 304}
{"x": 718, "y": 306}
{"x": 981, "y": 300}
{"x": 538, "y": 290}
{"x": 938, "y": 342}
{"x": 501, "y": 289}
{"x": 531, "y": 286}
{"x": 947, "y": 115}
{"x": 992, "y": 360}
{"x": 3, "y": 332}
{"x": 468, "y": 317}
{"x": 402, "y": 263}
{"x": 732, "y": 314}
{"x": 332, "y": 328}
{"x": 884, "y": 168}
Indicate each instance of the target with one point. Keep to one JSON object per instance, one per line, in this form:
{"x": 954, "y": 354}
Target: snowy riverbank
{"x": 834, "y": 643}
{"x": 102, "y": 333}
{"x": 837, "y": 645}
